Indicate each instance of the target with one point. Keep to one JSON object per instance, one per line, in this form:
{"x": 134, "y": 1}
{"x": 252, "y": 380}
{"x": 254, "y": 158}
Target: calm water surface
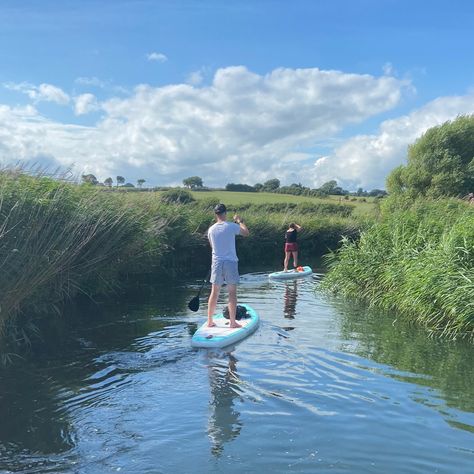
{"x": 322, "y": 386}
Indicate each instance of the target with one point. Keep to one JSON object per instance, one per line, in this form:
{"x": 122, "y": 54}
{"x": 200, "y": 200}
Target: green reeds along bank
{"x": 57, "y": 240}
{"x": 417, "y": 260}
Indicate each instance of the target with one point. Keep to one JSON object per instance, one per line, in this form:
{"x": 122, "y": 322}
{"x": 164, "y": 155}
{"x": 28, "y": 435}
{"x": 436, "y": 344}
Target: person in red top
{"x": 291, "y": 246}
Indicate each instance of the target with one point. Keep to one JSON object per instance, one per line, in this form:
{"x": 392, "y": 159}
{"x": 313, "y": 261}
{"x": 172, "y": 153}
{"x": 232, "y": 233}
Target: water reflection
{"x": 224, "y": 419}
{"x": 417, "y": 358}
{"x": 291, "y": 295}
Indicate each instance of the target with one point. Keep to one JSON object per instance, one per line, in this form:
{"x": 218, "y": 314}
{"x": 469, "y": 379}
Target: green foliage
{"x": 418, "y": 260}
{"x": 177, "y": 196}
{"x": 58, "y": 239}
{"x": 193, "y": 182}
{"x": 271, "y": 185}
{"x": 440, "y": 163}
{"x": 239, "y": 187}
{"x": 89, "y": 179}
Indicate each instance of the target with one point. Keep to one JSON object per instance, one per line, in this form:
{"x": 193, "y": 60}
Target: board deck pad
{"x": 221, "y": 334}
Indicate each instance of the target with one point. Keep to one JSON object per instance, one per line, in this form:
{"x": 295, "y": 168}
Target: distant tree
{"x": 271, "y": 185}
{"x": 128, "y": 185}
{"x": 258, "y": 187}
{"x": 120, "y": 180}
{"x": 193, "y": 182}
{"x": 89, "y": 179}
{"x": 140, "y": 182}
{"x": 440, "y": 162}
{"x": 108, "y": 182}
{"x": 360, "y": 192}
{"x": 376, "y": 192}
{"x": 329, "y": 187}
{"x": 239, "y": 187}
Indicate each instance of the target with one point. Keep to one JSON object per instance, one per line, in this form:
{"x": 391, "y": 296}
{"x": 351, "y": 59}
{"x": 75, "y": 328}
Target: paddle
{"x": 193, "y": 305}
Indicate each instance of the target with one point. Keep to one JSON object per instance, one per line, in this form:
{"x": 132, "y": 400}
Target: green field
{"x": 236, "y": 198}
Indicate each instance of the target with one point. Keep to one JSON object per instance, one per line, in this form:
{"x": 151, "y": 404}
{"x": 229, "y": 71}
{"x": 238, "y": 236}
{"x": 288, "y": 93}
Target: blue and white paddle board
{"x": 290, "y": 274}
{"x": 221, "y": 335}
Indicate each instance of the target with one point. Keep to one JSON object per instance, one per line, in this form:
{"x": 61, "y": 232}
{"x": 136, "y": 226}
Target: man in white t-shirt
{"x": 224, "y": 268}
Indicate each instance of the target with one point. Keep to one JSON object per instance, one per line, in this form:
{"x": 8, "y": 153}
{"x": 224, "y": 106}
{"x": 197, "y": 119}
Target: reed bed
{"x": 417, "y": 260}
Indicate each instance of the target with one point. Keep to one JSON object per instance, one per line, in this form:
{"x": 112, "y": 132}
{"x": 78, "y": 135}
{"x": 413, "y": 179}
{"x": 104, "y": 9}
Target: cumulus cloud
{"x": 365, "y": 160}
{"x": 41, "y": 93}
{"x": 243, "y": 127}
{"x": 85, "y": 103}
{"x": 157, "y": 57}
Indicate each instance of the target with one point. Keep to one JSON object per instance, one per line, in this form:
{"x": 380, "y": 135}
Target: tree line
{"x": 274, "y": 186}
{"x": 109, "y": 182}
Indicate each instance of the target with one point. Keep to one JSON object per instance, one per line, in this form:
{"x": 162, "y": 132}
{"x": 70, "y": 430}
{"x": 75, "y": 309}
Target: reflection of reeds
{"x": 418, "y": 260}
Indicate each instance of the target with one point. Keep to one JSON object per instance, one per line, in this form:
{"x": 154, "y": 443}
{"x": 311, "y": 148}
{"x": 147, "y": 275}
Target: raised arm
{"x": 243, "y": 228}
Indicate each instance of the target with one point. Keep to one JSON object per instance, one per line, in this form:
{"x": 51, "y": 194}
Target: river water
{"x": 321, "y": 386}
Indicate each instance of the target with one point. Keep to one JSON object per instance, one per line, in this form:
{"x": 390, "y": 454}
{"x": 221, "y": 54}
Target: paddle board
{"x": 290, "y": 274}
{"x": 221, "y": 334}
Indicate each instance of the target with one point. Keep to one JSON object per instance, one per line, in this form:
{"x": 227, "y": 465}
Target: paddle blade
{"x": 193, "y": 305}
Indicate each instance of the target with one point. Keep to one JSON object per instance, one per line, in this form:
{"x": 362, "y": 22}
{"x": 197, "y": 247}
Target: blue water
{"x": 321, "y": 386}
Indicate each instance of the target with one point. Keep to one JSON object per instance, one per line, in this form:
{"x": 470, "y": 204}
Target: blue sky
{"x": 233, "y": 91}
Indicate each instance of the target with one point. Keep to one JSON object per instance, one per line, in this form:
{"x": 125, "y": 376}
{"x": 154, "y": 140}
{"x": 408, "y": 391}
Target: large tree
{"x": 271, "y": 185}
{"x": 440, "y": 162}
{"x": 89, "y": 179}
{"x": 193, "y": 182}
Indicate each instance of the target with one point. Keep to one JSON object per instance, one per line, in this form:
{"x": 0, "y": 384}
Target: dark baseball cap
{"x": 220, "y": 209}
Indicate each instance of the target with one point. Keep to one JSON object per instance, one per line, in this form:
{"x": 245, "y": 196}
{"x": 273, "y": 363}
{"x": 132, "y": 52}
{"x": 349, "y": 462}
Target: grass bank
{"x": 417, "y": 260}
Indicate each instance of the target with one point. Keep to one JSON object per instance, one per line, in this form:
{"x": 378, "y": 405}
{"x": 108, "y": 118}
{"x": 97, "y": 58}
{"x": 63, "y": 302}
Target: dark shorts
{"x": 291, "y": 247}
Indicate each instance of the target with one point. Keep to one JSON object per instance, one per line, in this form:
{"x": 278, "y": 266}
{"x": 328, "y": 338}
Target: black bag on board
{"x": 241, "y": 312}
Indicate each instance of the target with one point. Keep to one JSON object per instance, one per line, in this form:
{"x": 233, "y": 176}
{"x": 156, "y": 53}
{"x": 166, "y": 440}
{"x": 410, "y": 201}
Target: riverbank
{"x": 59, "y": 240}
{"x": 417, "y": 260}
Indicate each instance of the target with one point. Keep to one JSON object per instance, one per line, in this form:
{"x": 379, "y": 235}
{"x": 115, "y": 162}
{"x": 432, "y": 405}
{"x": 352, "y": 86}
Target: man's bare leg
{"x": 212, "y": 303}
{"x": 233, "y": 306}
{"x": 285, "y": 263}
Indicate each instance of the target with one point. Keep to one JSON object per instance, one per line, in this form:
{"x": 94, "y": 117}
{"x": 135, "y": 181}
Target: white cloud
{"x": 366, "y": 160}
{"x": 41, "y": 93}
{"x": 243, "y": 127}
{"x": 195, "y": 78}
{"x": 85, "y": 103}
{"x": 158, "y": 57}
{"x": 90, "y": 81}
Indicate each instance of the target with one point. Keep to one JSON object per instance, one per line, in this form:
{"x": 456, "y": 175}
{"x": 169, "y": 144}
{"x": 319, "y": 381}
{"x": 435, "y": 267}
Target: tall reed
{"x": 418, "y": 260}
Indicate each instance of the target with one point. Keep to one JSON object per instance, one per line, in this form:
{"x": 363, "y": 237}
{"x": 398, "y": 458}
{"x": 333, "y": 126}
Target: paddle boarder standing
{"x": 291, "y": 246}
{"x": 224, "y": 267}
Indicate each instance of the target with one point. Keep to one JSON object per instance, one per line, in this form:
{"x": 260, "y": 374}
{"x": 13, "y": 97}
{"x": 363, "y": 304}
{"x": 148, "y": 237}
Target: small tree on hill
{"x": 108, "y": 182}
{"x": 120, "y": 180}
{"x": 193, "y": 182}
{"x": 140, "y": 182}
{"x": 89, "y": 179}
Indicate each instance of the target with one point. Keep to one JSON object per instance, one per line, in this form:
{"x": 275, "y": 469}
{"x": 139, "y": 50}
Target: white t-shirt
{"x": 222, "y": 238}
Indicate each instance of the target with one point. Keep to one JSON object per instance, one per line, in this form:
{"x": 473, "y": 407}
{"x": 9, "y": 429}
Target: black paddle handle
{"x": 204, "y": 282}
